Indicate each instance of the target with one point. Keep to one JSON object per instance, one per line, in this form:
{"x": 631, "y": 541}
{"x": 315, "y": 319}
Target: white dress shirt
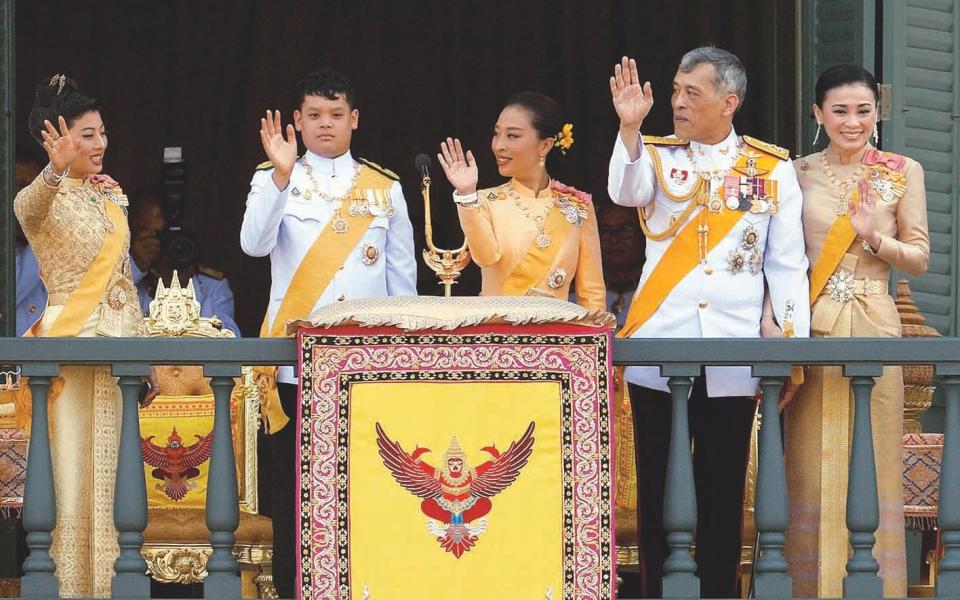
{"x": 284, "y": 225}
{"x": 716, "y": 299}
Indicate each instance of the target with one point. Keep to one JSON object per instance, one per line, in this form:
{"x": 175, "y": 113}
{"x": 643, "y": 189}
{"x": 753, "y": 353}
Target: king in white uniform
{"x": 722, "y": 218}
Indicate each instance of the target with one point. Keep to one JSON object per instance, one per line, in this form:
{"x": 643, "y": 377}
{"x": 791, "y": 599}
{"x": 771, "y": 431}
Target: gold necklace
{"x": 339, "y": 223}
{"x": 841, "y": 206}
{"x": 543, "y": 239}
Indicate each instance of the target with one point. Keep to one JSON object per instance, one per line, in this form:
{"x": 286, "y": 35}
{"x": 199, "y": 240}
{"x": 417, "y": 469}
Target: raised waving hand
{"x": 281, "y": 152}
{"x": 460, "y": 168}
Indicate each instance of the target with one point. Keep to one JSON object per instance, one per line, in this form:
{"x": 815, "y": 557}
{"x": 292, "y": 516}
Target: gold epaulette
{"x": 264, "y": 166}
{"x": 656, "y": 140}
{"x": 382, "y": 170}
{"x": 781, "y": 153}
{"x": 210, "y": 272}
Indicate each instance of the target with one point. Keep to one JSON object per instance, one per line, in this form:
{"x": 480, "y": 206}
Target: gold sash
{"x": 683, "y": 254}
{"x": 312, "y": 277}
{"x": 534, "y": 265}
{"x": 839, "y": 239}
{"x": 90, "y": 292}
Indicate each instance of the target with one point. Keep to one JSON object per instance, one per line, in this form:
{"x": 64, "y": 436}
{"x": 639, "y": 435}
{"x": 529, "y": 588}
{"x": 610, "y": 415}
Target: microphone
{"x": 423, "y": 163}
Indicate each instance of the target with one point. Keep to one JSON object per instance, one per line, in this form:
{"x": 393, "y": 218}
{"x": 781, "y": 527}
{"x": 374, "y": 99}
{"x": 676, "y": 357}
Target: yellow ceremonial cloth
{"x": 391, "y": 552}
{"x": 190, "y": 416}
{"x": 838, "y": 240}
{"x": 316, "y": 271}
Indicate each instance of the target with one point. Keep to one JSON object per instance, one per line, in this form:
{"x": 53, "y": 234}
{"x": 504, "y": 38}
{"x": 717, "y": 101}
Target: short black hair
{"x": 842, "y": 75}
{"x": 545, "y": 114}
{"x": 58, "y": 96}
{"x": 327, "y": 83}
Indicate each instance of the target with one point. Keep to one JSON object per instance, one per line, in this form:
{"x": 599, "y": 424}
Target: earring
{"x": 876, "y": 135}
{"x": 541, "y": 162}
{"x": 816, "y": 138}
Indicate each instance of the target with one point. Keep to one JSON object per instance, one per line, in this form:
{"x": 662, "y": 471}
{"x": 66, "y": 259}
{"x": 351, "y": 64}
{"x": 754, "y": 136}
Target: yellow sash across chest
{"x": 87, "y": 296}
{"x": 533, "y": 267}
{"x": 702, "y": 232}
{"x": 314, "y": 274}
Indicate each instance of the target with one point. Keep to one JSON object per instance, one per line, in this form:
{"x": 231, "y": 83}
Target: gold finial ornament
{"x": 174, "y": 310}
{"x": 447, "y": 264}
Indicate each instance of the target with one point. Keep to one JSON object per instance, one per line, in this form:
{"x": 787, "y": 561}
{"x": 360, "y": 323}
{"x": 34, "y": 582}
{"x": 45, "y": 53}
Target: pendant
{"x": 841, "y": 207}
{"x": 543, "y": 240}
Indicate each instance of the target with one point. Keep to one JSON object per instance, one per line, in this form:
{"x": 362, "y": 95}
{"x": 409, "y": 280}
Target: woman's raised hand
{"x": 61, "y": 148}
{"x": 863, "y": 216}
{"x": 281, "y": 152}
{"x": 460, "y": 169}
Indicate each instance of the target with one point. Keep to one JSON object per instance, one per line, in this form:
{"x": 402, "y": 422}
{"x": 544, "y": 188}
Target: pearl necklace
{"x": 843, "y": 187}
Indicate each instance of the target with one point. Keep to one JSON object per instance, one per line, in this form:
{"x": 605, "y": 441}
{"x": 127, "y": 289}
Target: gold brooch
{"x": 370, "y": 254}
{"x": 840, "y": 287}
{"x": 556, "y": 278}
{"x": 116, "y": 298}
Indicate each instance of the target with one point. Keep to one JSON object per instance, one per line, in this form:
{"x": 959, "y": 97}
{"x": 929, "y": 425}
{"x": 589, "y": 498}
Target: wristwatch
{"x": 468, "y": 201}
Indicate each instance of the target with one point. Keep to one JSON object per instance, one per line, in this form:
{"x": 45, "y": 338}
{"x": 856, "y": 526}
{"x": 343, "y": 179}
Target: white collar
{"x": 342, "y": 166}
{"x": 707, "y": 154}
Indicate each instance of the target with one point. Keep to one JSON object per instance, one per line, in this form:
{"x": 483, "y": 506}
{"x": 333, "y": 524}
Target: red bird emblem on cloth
{"x": 176, "y": 464}
{"x": 455, "y": 495}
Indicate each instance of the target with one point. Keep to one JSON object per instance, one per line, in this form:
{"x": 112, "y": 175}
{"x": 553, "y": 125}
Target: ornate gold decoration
{"x": 447, "y": 264}
{"x": 556, "y": 278}
{"x": 177, "y": 564}
{"x": 10, "y": 378}
{"x": 370, "y": 254}
{"x": 840, "y": 286}
{"x": 917, "y": 379}
{"x": 174, "y": 311}
{"x": 431, "y": 312}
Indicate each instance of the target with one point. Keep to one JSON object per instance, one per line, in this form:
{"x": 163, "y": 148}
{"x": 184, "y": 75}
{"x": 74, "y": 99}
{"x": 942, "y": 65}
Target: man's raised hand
{"x": 281, "y": 152}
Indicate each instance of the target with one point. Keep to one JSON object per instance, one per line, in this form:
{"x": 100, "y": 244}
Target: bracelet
{"x": 468, "y": 201}
{"x": 56, "y": 177}
{"x": 868, "y": 249}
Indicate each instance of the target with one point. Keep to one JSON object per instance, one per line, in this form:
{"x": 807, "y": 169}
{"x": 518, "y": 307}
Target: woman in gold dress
{"x": 864, "y": 211}
{"x": 531, "y": 234}
{"x": 75, "y": 219}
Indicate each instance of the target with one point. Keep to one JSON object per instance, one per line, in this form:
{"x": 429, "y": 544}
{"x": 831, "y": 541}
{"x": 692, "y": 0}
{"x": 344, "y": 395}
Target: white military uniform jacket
{"x": 284, "y": 225}
{"x": 723, "y": 296}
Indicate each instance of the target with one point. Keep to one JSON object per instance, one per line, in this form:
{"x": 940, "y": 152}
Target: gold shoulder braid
{"x": 379, "y": 169}
{"x": 657, "y": 140}
{"x": 781, "y": 153}
{"x": 698, "y": 192}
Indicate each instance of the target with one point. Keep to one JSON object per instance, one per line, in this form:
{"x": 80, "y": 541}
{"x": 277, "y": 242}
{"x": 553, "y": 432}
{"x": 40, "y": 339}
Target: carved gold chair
{"x": 179, "y": 423}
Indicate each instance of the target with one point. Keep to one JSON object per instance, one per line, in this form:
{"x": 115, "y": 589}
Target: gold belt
{"x": 842, "y": 287}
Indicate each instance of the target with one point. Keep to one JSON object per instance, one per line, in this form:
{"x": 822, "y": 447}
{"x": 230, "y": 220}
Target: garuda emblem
{"x": 176, "y": 464}
{"x": 455, "y": 495}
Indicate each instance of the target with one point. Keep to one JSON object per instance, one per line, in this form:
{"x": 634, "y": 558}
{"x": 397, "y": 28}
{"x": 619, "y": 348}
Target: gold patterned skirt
{"x": 84, "y": 437}
{"x": 818, "y": 434}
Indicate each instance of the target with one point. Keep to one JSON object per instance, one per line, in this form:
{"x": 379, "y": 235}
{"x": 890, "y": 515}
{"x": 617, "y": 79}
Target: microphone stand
{"x": 447, "y": 264}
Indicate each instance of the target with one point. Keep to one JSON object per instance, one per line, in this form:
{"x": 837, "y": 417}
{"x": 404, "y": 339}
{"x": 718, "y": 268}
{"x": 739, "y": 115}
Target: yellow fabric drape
{"x": 534, "y": 265}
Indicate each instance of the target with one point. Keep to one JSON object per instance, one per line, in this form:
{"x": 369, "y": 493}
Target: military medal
{"x": 370, "y": 254}
{"x": 339, "y": 224}
{"x": 295, "y": 192}
{"x": 679, "y": 176}
{"x": 556, "y": 278}
{"x": 573, "y": 212}
{"x": 749, "y": 238}
{"x": 736, "y": 260}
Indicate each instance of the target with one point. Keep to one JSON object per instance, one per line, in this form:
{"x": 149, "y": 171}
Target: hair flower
{"x": 564, "y": 138}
